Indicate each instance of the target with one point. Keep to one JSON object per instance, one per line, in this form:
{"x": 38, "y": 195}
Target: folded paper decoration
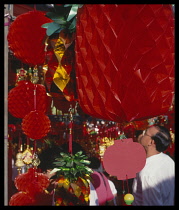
{"x": 26, "y": 37}
{"x": 125, "y": 60}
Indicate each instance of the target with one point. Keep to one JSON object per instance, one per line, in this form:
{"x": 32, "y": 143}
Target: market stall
{"x": 89, "y": 74}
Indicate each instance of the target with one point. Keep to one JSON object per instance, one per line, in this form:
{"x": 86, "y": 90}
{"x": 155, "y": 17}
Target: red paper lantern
{"x": 26, "y": 37}
{"x": 36, "y": 124}
{"x": 21, "y": 99}
{"x": 21, "y": 199}
{"x": 31, "y": 182}
{"x": 125, "y": 70}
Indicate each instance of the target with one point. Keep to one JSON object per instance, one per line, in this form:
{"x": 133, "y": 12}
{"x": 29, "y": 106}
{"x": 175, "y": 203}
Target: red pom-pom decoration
{"x": 31, "y": 182}
{"x": 125, "y": 70}
{"x": 36, "y": 125}
{"x": 26, "y": 37}
{"x": 21, "y": 199}
{"x": 21, "y": 99}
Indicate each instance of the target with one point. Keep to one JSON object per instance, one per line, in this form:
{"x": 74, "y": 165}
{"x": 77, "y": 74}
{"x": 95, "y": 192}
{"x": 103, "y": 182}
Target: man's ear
{"x": 153, "y": 142}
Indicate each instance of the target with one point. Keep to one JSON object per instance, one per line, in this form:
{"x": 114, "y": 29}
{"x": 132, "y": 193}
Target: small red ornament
{"x": 21, "y": 199}
{"x": 31, "y": 182}
{"x": 36, "y": 124}
{"x": 21, "y": 99}
{"x": 26, "y": 37}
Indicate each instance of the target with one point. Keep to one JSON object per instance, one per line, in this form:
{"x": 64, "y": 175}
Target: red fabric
{"x": 103, "y": 190}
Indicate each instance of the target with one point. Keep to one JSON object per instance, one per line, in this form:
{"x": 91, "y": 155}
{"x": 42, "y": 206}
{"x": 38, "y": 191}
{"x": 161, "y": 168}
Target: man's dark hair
{"x": 162, "y": 138}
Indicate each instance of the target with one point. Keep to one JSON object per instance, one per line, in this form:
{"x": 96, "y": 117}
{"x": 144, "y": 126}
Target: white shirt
{"x": 154, "y": 185}
{"x": 94, "y": 197}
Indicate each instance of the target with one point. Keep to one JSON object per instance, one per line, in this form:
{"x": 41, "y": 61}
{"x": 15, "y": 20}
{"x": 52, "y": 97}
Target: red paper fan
{"x": 36, "y": 125}
{"x": 26, "y": 37}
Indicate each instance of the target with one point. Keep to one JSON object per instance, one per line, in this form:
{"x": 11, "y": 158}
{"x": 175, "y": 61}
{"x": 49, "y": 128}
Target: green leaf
{"x": 78, "y": 153}
{"x": 64, "y": 154}
{"x": 52, "y": 28}
{"x": 69, "y": 163}
{"x": 55, "y": 170}
{"x": 59, "y": 163}
{"x": 87, "y": 162}
{"x": 45, "y": 25}
{"x": 73, "y": 12}
{"x": 72, "y": 25}
{"x": 78, "y": 163}
{"x": 73, "y": 171}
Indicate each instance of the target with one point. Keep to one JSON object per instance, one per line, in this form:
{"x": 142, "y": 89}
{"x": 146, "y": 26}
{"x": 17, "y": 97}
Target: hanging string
{"x": 35, "y": 147}
{"x": 123, "y": 188}
{"x": 127, "y": 183}
{"x": 35, "y": 97}
{"x": 27, "y": 141}
{"x": 35, "y": 7}
{"x": 70, "y": 132}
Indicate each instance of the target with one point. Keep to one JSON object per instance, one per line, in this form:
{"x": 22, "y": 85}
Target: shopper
{"x": 102, "y": 190}
{"x": 154, "y": 184}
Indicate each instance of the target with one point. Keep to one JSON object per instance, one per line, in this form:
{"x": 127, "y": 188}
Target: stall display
{"x": 93, "y": 75}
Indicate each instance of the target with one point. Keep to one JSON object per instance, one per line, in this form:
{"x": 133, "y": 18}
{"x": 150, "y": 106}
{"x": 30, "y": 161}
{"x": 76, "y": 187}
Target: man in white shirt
{"x": 154, "y": 185}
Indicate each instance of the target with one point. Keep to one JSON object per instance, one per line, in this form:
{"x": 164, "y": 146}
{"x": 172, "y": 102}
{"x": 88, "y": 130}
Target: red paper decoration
{"x": 31, "y": 182}
{"x": 36, "y": 124}
{"x": 125, "y": 60}
{"x": 21, "y": 99}
{"x": 124, "y": 157}
{"x": 21, "y": 199}
{"x": 31, "y": 186}
{"x": 26, "y": 37}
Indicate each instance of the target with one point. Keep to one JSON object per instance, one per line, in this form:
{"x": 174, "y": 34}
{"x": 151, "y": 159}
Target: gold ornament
{"x": 35, "y": 160}
{"x": 27, "y": 156}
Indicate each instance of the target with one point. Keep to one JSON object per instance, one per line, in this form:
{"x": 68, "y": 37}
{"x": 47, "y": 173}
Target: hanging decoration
{"x": 19, "y": 161}
{"x": 128, "y": 198}
{"x": 26, "y": 37}
{"x": 72, "y": 175}
{"x": 63, "y": 25}
{"x": 64, "y": 17}
{"x": 27, "y": 154}
{"x": 21, "y": 99}
{"x": 125, "y": 71}
{"x": 124, "y": 159}
{"x": 21, "y": 199}
{"x": 31, "y": 186}
{"x": 36, "y": 124}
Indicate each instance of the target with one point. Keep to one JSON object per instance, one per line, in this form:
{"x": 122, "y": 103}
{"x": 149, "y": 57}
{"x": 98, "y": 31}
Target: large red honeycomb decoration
{"x": 125, "y": 60}
{"x": 26, "y": 37}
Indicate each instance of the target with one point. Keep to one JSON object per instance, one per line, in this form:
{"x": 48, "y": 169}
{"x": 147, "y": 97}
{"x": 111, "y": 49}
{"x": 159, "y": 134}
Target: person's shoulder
{"x": 167, "y": 158}
{"x": 111, "y": 184}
